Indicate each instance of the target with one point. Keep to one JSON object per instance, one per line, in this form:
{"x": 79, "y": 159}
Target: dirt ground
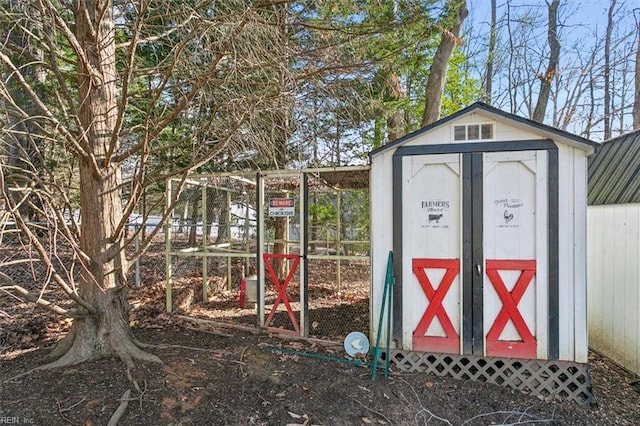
{"x": 232, "y": 377}
{"x": 213, "y": 375}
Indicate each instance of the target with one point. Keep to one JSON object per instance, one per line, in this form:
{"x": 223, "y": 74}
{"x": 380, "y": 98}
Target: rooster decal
{"x": 508, "y": 217}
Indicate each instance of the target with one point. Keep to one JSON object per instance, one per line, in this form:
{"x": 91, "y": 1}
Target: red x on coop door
{"x": 497, "y": 345}
{"x": 424, "y": 339}
{"x": 281, "y": 288}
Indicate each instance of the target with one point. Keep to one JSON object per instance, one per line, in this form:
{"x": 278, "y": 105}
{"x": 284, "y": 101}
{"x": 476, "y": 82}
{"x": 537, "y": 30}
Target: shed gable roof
{"x": 547, "y": 131}
{"x": 614, "y": 172}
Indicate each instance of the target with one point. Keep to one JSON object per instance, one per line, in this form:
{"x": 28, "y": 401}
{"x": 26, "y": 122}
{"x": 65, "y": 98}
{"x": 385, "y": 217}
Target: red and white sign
{"x": 282, "y": 207}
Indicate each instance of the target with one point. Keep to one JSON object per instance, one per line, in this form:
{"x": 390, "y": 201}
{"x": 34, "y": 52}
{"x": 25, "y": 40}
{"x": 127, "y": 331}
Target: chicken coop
{"x": 283, "y": 250}
{"x": 485, "y": 215}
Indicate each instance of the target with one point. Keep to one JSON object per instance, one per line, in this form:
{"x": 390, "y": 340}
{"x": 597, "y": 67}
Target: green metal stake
{"x": 392, "y": 281}
{"x": 386, "y": 294}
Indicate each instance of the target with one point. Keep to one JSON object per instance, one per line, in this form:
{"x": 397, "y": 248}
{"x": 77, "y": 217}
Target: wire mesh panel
{"x": 211, "y": 246}
{"x": 336, "y": 310}
{"x": 338, "y": 254}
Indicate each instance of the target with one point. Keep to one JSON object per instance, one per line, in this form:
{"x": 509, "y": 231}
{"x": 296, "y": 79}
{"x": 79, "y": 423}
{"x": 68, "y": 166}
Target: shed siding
{"x": 510, "y": 133}
{"x": 613, "y": 279}
{"x": 381, "y": 188}
{"x": 580, "y": 255}
{"x": 572, "y": 268}
{"x": 566, "y": 267}
{"x": 435, "y": 136}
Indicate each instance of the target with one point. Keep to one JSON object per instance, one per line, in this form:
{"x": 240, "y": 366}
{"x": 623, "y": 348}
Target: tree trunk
{"x": 438, "y": 71}
{"x": 279, "y": 265}
{"x": 636, "y": 98}
{"x": 223, "y": 224}
{"x": 488, "y": 82}
{"x": 282, "y": 133}
{"x": 195, "y": 212}
{"x": 396, "y": 121}
{"x": 607, "y": 72}
{"x": 552, "y": 68}
{"x": 106, "y": 332}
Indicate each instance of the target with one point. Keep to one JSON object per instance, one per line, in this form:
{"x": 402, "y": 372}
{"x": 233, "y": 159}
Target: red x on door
{"x": 527, "y": 346}
{"x": 450, "y": 343}
{"x": 281, "y": 287}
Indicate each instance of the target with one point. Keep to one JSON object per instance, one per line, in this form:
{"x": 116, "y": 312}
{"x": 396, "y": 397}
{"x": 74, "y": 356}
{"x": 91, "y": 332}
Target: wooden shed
{"x": 613, "y": 223}
{"x": 485, "y": 214}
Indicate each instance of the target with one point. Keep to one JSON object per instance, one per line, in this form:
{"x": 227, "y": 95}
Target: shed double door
{"x": 474, "y": 253}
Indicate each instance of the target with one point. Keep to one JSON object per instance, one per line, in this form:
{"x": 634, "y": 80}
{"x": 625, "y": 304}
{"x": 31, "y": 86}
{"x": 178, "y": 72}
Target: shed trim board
{"x": 475, "y": 234}
{"x": 469, "y": 321}
{"x": 472, "y": 164}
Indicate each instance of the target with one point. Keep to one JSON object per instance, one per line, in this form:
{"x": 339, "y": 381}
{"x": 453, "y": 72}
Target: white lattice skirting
{"x": 551, "y": 379}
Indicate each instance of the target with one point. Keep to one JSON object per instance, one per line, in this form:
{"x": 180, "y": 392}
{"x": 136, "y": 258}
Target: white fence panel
{"x": 613, "y": 273}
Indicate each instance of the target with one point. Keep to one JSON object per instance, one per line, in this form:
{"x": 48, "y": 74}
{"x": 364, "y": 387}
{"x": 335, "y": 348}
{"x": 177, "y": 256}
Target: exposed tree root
{"x": 124, "y": 402}
{"x": 75, "y": 356}
{"x": 127, "y": 352}
{"x": 86, "y": 342}
{"x": 63, "y": 346}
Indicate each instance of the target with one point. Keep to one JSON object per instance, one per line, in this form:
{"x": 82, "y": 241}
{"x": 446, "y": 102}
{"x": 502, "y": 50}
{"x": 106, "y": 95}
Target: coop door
{"x": 431, "y": 247}
{"x": 514, "y": 247}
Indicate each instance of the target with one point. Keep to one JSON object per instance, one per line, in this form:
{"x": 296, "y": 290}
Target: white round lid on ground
{"x": 356, "y": 343}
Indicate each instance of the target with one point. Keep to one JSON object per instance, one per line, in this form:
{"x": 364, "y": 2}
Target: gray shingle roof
{"x": 614, "y": 171}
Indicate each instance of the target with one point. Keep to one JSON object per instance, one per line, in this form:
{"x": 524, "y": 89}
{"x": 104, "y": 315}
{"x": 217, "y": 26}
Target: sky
{"x": 582, "y": 24}
{"x": 590, "y": 14}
